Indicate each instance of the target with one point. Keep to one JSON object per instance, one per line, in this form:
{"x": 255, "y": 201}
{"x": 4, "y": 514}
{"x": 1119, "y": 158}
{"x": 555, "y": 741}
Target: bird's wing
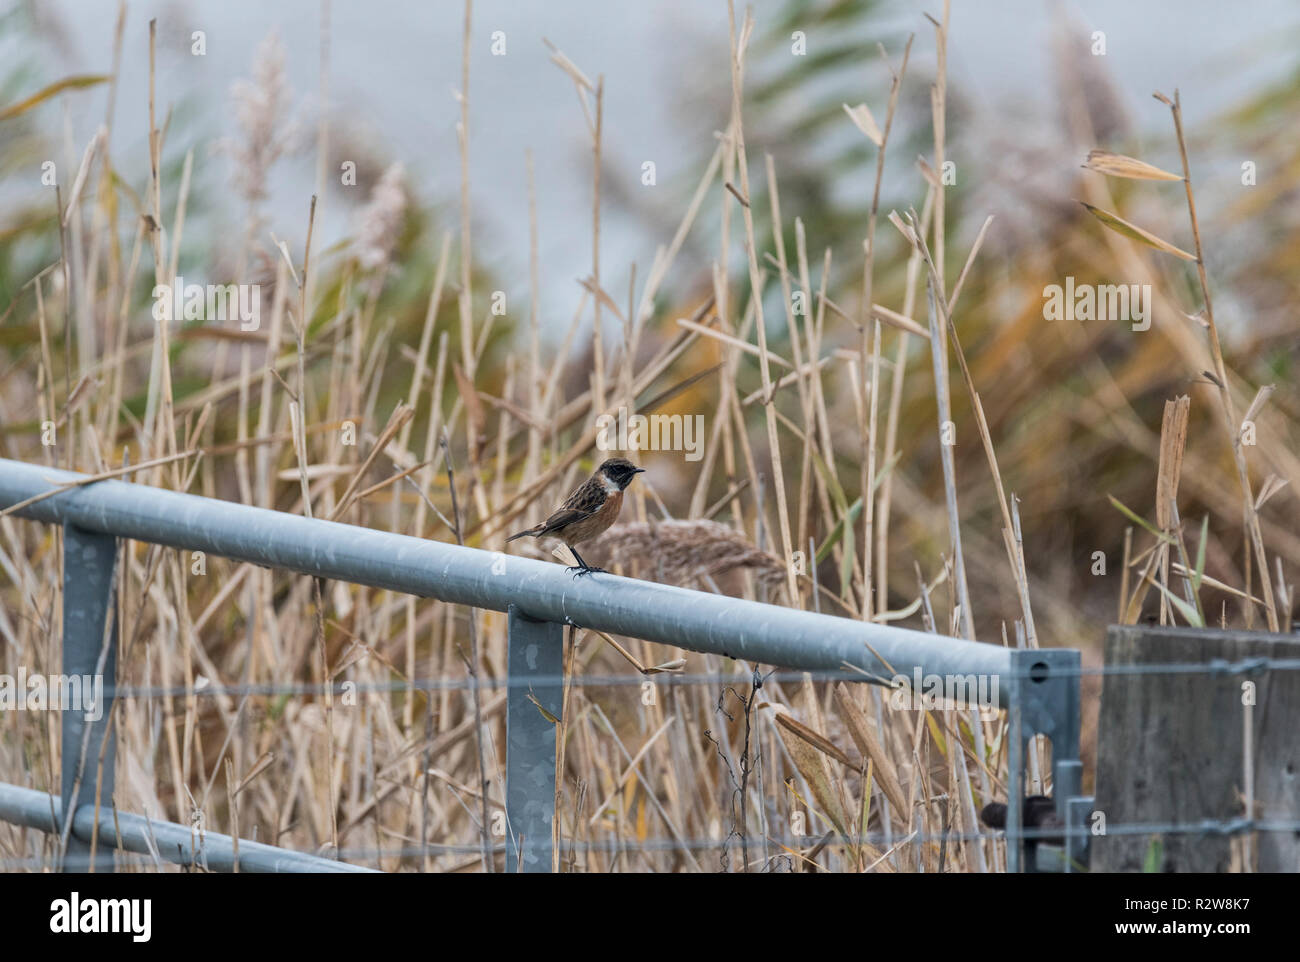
{"x": 588, "y": 496}
{"x": 586, "y": 500}
{"x": 565, "y": 517}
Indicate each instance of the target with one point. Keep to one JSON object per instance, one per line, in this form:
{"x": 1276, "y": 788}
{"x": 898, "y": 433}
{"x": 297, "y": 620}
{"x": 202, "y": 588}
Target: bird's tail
{"x": 523, "y": 534}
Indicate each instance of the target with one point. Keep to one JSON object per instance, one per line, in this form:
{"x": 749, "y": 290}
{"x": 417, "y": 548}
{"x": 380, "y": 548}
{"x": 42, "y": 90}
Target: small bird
{"x": 589, "y": 510}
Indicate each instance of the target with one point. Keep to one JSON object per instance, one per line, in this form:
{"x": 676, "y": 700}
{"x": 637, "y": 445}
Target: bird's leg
{"x": 582, "y": 568}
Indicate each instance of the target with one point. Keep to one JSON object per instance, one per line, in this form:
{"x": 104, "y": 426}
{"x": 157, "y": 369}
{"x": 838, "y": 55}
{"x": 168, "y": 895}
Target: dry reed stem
{"x": 1251, "y": 516}
{"x": 738, "y": 44}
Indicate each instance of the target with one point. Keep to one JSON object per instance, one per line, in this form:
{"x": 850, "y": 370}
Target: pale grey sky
{"x": 393, "y": 67}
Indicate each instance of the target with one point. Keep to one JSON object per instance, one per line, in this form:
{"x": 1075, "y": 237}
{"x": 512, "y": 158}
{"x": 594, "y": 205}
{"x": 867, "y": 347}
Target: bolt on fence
{"x": 1038, "y": 687}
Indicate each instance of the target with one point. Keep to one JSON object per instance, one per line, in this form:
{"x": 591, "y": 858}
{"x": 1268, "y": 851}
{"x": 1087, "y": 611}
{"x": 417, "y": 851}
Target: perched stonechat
{"x": 586, "y": 513}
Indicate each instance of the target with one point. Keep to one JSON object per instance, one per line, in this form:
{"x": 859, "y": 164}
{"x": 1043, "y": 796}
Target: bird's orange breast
{"x": 594, "y": 526}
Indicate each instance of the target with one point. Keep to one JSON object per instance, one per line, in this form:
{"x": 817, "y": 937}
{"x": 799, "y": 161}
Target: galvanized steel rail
{"x": 541, "y": 590}
{"x": 1040, "y": 687}
{"x": 167, "y": 841}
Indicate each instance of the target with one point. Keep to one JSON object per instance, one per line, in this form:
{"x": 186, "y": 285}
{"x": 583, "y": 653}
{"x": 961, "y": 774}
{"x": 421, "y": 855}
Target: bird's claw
{"x": 579, "y": 570}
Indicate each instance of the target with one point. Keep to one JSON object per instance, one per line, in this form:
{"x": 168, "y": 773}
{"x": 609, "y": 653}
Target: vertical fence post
{"x": 1015, "y": 770}
{"x": 1078, "y": 809}
{"x": 90, "y": 667}
{"x": 536, "y": 671}
{"x": 1045, "y": 701}
{"x": 1188, "y": 727}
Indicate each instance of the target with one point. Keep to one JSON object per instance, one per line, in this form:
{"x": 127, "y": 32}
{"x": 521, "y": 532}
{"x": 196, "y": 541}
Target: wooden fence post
{"x": 1188, "y": 746}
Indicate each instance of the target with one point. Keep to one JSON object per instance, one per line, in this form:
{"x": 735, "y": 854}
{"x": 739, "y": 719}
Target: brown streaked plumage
{"x": 589, "y": 510}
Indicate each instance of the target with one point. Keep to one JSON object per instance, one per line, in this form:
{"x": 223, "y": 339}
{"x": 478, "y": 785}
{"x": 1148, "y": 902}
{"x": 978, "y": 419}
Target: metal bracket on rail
{"x": 1044, "y": 700}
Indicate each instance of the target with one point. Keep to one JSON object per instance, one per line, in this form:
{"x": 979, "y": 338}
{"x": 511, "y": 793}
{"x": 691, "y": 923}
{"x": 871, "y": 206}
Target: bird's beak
{"x": 639, "y": 471}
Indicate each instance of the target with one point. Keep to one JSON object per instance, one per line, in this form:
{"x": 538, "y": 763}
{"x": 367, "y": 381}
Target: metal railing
{"x": 1038, "y": 687}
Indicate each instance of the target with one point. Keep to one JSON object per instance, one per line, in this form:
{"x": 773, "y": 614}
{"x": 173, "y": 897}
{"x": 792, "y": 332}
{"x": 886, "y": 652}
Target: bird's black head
{"x": 620, "y": 471}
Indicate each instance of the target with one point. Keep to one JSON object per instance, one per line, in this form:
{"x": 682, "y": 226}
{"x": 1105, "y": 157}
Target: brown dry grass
{"x": 793, "y": 775}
